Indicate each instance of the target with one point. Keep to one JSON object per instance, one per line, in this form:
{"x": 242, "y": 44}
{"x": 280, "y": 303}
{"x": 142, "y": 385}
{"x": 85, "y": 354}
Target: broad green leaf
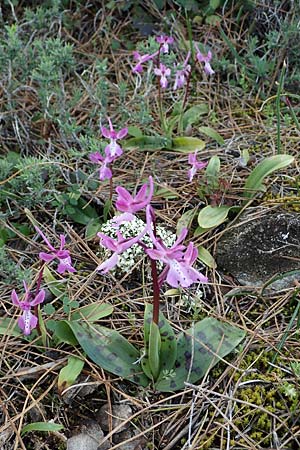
{"x": 168, "y": 343}
{"x": 92, "y": 312}
{"x": 206, "y": 257}
{"x": 200, "y": 230}
{"x": 81, "y": 212}
{"x": 214, "y": 4}
{"x": 41, "y": 426}
{"x": 210, "y": 132}
{"x": 166, "y": 193}
{"x": 135, "y": 131}
{"x": 193, "y": 114}
{"x": 63, "y": 332}
{"x": 54, "y": 286}
{"x": 186, "y": 220}
{"x": 110, "y": 350}
{"x": 154, "y": 350}
{"x": 213, "y": 167}
{"x": 68, "y": 374}
{"x": 212, "y": 216}
{"x": 262, "y": 170}
{"x": 92, "y": 228}
{"x": 148, "y": 142}
{"x": 187, "y": 144}
{"x": 198, "y": 350}
{"x": 213, "y": 19}
{"x": 9, "y": 327}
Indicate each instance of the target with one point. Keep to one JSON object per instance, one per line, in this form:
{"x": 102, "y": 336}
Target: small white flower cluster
{"x": 131, "y": 256}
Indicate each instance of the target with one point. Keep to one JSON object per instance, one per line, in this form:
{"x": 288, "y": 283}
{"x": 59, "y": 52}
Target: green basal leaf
{"x": 110, "y": 350}
{"x": 186, "y": 220}
{"x": 135, "y": 131}
{"x": 68, "y": 374}
{"x": 54, "y": 286}
{"x": 262, "y": 170}
{"x": 9, "y": 327}
{"x": 148, "y": 142}
{"x": 63, "y": 332}
{"x": 187, "y": 144}
{"x": 168, "y": 348}
{"x": 198, "y": 350}
{"x": 154, "y": 350}
{"x": 81, "y": 212}
{"x": 92, "y": 312}
{"x": 205, "y": 257}
{"x": 212, "y": 216}
{"x": 92, "y": 228}
{"x": 212, "y": 170}
{"x": 199, "y": 231}
{"x": 41, "y": 426}
{"x": 193, "y": 114}
{"x": 210, "y": 132}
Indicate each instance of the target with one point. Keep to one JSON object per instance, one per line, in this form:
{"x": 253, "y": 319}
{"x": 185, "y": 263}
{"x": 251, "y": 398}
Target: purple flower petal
{"x": 109, "y": 264}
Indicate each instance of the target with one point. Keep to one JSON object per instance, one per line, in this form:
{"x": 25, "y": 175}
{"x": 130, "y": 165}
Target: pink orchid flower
{"x": 178, "y": 259}
{"x": 206, "y": 59}
{"x": 182, "y": 74}
{"x": 127, "y": 203}
{"x": 164, "y": 42}
{"x": 117, "y": 246}
{"x": 113, "y": 150}
{"x": 65, "y": 262}
{"x": 27, "y": 321}
{"x": 163, "y": 72}
{"x": 105, "y": 172}
{"x": 140, "y": 59}
{"x": 196, "y": 165}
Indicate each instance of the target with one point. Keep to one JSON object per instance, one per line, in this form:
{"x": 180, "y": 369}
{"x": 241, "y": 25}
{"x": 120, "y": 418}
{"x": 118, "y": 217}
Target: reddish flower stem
{"x": 38, "y": 287}
{"x": 155, "y": 315}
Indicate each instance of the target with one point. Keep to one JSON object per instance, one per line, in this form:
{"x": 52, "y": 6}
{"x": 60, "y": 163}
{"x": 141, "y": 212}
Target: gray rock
{"x": 136, "y": 444}
{"x": 89, "y": 439}
{"x": 260, "y": 247}
{"x": 119, "y": 414}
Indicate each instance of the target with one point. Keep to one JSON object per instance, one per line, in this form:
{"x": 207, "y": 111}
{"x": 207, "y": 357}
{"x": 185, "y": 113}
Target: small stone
{"x": 121, "y": 438}
{"x": 5, "y": 435}
{"x": 260, "y": 247}
{"x": 119, "y": 414}
{"x": 89, "y": 439}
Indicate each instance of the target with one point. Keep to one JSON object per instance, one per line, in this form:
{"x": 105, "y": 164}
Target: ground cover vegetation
{"x": 132, "y": 135}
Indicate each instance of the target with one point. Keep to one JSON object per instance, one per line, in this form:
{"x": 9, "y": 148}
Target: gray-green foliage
{"x": 30, "y": 181}
{"x": 11, "y": 272}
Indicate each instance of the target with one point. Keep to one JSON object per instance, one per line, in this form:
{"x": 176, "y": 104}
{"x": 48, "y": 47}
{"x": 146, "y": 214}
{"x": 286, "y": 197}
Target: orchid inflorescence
{"x": 181, "y": 71}
{"x": 112, "y": 151}
{"x": 178, "y": 259}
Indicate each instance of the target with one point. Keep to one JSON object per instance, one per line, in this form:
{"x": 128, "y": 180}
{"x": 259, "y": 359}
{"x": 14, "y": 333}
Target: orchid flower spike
{"x": 127, "y": 203}
{"x": 105, "y": 172}
{"x": 27, "y": 321}
{"x": 65, "y": 262}
{"x": 117, "y": 246}
{"x": 164, "y": 42}
{"x": 182, "y": 74}
{"x": 140, "y": 59}
{"x": 113, "y": 150}
{"x": 178, "y": 259}
{"x": 196, "y": 165}
{"x": 163, "y": 72}
{"x": 206, "y": 60}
